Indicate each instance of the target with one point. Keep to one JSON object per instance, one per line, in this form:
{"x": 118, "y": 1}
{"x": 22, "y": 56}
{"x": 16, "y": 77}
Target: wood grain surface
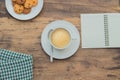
{"x": 86, "y": 64}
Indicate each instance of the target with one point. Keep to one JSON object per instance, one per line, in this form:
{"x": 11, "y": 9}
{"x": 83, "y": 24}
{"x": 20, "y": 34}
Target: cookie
{"x": 28, "y": 4}
{"x": 13, "y": 0}
{"x": 13, "y": 3}
{"x": 18, "y": 8}
{"x": 34, "y": 2}
{"x": 27, "y": 10}
{"x": 20, "y": 1}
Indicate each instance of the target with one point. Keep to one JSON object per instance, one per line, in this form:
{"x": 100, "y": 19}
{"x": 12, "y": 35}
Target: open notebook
{"x": 100, "y": 30}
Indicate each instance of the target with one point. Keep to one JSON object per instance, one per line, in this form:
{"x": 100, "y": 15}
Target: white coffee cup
{"x": 60, "y": 38}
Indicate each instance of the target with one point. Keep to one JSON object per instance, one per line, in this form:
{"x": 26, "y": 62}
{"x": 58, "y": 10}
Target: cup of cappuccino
{"x": 60, "y": 38}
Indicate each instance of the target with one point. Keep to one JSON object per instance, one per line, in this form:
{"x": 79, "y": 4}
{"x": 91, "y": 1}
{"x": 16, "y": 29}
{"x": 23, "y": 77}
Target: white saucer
{"x": 61, "y": 54}
{"x": 34, "y": 12}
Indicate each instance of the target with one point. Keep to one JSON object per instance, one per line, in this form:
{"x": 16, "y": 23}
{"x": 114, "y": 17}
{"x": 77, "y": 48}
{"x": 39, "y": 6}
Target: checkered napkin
{"x": 15, "y": 66}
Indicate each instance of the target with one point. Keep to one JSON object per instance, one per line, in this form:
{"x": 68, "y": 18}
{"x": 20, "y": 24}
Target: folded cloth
{"x": 15, "y": 66}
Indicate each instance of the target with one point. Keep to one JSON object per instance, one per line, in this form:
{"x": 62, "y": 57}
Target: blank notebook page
{"x": 114, "y": 30}
{"x": 100, "y": 30}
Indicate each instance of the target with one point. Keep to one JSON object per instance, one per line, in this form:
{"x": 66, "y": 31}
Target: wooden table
{"x": 86, "y": 64}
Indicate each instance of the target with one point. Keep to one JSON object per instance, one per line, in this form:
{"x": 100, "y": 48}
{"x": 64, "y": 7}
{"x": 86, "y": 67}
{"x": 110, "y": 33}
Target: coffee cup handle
{"x": 73, "y": 37}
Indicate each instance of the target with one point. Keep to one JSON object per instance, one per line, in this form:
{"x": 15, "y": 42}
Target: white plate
{"x": 34, "y": 12}
{"x": 61, "y": 54}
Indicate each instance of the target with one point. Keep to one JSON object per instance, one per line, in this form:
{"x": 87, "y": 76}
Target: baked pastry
{"x": 20, "y": 1}
{"x": 28, "y": 4}
{"x": 26, "y": 10}
{"x": 13, "y": 0}
{"x": 23, "y": 6}
{"x": 34, "y": 2}
{"x": 13, "y": 3}
{"x": 18, "y": 8}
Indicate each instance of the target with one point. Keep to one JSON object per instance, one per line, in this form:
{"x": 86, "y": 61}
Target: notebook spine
{"x": 106, "y": 30}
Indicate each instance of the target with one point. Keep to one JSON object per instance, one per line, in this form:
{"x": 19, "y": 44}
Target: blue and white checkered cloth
{"x": 15, "y": 66}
